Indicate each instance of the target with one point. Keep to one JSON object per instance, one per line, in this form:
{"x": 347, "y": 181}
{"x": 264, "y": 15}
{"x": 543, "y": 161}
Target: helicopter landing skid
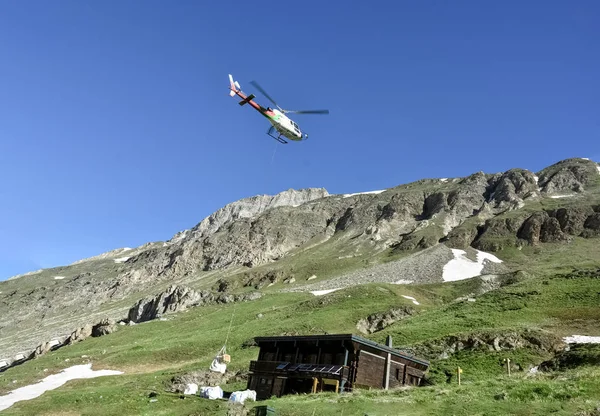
{"x": 278, "y": 137}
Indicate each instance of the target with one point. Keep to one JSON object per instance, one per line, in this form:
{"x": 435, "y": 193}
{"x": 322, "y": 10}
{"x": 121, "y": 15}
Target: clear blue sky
{"x": 116, "y": 127}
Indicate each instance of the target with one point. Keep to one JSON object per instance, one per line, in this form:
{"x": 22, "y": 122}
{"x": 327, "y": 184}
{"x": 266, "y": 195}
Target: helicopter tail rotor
{"x": 234, "y": 86}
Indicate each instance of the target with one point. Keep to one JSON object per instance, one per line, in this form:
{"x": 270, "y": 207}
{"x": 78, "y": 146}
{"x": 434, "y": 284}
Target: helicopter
{"x": 282, "y": 127}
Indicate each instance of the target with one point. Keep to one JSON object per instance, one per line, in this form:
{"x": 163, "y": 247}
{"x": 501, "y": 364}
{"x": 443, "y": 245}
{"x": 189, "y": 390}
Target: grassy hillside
{"x": 551, "y": 290}
{"x": 152, "y": 353}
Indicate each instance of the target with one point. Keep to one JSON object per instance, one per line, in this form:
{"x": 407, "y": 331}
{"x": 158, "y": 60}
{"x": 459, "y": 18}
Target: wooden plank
{"x": 371, "y": 354}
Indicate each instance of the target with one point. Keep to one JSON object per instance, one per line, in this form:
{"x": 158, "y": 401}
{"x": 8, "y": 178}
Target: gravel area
{"x": 423, "y": 267}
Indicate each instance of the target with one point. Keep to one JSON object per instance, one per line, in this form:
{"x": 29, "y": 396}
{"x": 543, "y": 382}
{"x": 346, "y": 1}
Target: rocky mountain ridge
{"x": 482, "y": 211}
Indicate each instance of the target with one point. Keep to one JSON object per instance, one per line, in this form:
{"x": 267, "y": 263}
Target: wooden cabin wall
{"x": 370, "y": 370}
{"x": 396, "y": 374}
{"x": 406, "y": 362}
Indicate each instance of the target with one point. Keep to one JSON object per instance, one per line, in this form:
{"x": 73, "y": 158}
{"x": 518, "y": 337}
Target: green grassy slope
{"x": 152, "y": 353}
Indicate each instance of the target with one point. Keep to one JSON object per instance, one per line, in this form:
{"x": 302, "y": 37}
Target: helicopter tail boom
{"x": 234, "y": 86}
{"x": 235, "y": 89}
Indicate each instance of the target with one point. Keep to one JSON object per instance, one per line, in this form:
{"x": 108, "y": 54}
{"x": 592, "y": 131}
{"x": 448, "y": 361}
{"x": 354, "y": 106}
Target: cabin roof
{"x": 343, "y": 337}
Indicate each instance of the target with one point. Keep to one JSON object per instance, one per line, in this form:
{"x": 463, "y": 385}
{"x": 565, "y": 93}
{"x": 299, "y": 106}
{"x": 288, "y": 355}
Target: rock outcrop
{"x": 489, "y": 341}
{"x": 575, "y": 356}
{"x": 174, "y": 299}
{"x": 179, "y": 298}
{"x": 104, "y": 327}
{"x": 80, "y": 334}
{"x": 378, "y": 321}
{"x": 511, "y": 189}
{"x": 248, "y": 208}
{"x": 569, "y": 175}
{"x": 550, "y": 226}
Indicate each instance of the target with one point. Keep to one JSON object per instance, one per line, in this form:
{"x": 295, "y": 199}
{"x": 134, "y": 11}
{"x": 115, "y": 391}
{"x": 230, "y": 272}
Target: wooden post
{"x": 388, "y": 359}
{"x": 337, "y": 386}
{"x": 507, "y": 361}
{"x": 315, "y": 382}
{"x": 458, "y": 372}
{"x": 345, "y": 365}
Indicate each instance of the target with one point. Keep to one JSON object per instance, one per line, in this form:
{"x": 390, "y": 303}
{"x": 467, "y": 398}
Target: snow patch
{"x": 122, "y": 259}
{"x": 52, "y": 382}
{"x": 598, "y": 167}
{"x": 562, "y": 196}
{"x": 411, "y": 298}
{"x": 462, "y": 267}
{"x": 444, "y": 180}
{"x": 323, "y": 292}
{"x": 402, "y": 282}
{"x": 536, "y": 178}
{"x": 58, "y": 277}
{"x": 363, "y": 193}
{"x": 581, "y": 339}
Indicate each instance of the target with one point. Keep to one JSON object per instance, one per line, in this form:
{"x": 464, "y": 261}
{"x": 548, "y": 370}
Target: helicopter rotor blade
{"x": 308, "y": 111}
{"x": 258, "y": 87}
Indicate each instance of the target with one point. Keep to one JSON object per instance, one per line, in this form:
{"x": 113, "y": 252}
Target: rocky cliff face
{"x": 248, "y": 208}
{"x": 484, "y": 211}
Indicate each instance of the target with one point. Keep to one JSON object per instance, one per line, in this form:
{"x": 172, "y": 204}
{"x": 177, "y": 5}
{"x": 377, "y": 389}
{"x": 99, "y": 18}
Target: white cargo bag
{"x": 241, "y": 396}
{"x": 211, "y": 393}
{"x": 217, "y": 366}
{"x": 191, "y": 388}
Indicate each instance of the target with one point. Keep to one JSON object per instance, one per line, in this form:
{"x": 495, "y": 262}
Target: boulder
{"x": 104, "y": 327}
{"x": 378, "y": 321}
{"x": 79, "y": 334}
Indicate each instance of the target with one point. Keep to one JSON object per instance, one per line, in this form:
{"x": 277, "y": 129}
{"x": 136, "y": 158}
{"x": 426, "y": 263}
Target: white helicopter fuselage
{"x": 285, "y": 125}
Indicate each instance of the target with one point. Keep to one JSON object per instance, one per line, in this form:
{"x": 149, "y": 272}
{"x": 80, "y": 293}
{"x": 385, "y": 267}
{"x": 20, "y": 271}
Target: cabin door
{"x": 278, "y": 386}
{"x": 264, "y": 387}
